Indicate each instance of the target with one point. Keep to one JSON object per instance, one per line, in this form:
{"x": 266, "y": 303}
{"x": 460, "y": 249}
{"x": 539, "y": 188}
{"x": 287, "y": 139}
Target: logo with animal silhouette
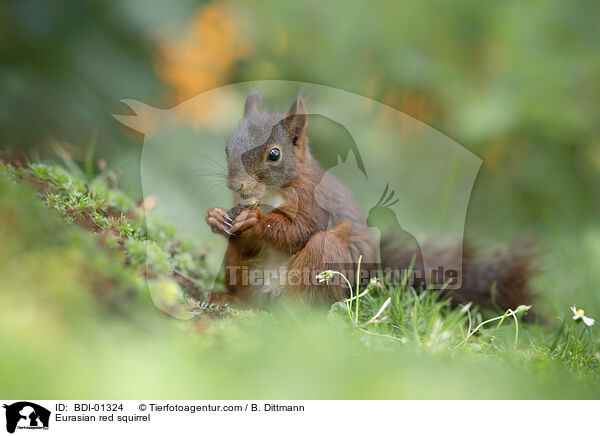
{"x": 24, "y": 415}
{"x": 285, "y": 201}
{"x": 407, "y": 259}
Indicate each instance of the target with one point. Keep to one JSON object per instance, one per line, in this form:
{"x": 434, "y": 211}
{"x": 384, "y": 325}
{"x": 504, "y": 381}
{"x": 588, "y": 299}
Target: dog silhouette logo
{"x": 26, "y": 415}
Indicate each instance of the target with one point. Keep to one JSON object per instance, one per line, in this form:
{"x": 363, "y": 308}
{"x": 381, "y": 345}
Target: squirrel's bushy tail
{"x": 499, "y": 280}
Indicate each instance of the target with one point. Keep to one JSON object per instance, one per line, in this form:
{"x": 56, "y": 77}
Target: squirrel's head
{"x": 265, "y": 152}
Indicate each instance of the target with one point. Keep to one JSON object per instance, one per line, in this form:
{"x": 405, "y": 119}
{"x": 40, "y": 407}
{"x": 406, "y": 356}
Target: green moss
{"x": 148, "y": 253}
{"x": 87, "y": 278}
{"x": 116, "y": 219}
{"x": 7, "y": 171}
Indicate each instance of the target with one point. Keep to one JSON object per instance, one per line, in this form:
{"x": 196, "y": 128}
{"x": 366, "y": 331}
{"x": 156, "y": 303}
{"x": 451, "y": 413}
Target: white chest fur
{"x": 267, "y": 273}
{"x": 272, "y": 199}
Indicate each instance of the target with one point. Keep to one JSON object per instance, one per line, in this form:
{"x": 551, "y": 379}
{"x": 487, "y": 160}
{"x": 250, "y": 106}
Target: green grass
{"x": 428, "y": 321}
{"x": 77, "y": 261}
{"x": 157, "y": 250}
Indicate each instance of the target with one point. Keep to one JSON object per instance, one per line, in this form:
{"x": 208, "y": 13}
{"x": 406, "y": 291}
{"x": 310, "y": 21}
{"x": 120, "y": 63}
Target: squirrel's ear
{"x": 296, "y": 119}
{"x": 252, "y": 104}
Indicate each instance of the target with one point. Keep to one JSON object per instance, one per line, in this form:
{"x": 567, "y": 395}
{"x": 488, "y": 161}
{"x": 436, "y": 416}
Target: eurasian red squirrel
{"x": 293, "y": 220}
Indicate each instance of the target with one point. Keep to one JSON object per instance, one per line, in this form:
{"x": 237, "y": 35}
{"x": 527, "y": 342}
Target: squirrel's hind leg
{"x": 239, "y": 290}
{"x": 325, "y": 250}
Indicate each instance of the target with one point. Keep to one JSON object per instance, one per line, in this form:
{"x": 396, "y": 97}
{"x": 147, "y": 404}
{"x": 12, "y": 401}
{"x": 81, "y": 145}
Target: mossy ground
{"x": 76, "y": 264}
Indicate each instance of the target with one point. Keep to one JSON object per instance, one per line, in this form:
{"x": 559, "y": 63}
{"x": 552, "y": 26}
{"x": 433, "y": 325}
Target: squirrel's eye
{"x": 274, "y": 154}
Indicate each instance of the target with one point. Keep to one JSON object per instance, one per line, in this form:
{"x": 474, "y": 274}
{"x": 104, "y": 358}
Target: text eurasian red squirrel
{"x": 308, "y": 222}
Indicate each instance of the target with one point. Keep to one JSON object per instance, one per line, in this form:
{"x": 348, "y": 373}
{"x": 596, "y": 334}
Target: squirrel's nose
{"x": 238, "y": 186}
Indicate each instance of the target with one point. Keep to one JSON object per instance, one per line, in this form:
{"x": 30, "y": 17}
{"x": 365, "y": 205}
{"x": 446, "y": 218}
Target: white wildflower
{"x": 324, "y": 276}
{"x": 579, "y": 314}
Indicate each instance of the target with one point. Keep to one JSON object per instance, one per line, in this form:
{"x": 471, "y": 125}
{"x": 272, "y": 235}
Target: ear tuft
{"x": 295, "y": 120}
{"x": 252, "y": 105}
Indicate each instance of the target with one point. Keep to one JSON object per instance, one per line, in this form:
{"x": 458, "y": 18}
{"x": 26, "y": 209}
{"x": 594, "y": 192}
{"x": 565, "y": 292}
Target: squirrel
{"x": 292, "y": 220}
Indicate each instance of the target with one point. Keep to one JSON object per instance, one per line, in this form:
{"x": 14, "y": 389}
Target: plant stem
{"x": 351, "y": 292}
{"x": 357, "y": 290}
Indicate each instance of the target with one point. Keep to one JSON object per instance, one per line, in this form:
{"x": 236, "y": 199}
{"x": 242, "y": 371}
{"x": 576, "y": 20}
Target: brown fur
{"x": 318, "y": 225}
{"x": 306, "y": 227}
{"x": 500, "y": 280}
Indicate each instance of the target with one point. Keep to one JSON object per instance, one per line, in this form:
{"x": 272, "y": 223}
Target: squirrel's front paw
{"x": 247, "y": 224}
{"x": 218, "y": 299}
{"x": 219, "y": 221}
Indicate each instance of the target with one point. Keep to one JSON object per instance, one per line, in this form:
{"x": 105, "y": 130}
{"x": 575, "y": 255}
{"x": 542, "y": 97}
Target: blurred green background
{"x": 515, "y": 82}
